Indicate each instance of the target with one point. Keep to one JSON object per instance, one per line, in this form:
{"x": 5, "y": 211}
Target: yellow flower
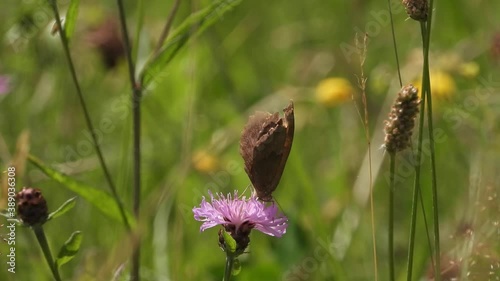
{"x": 469, "y": 69}
{"x": 442, "y": 85}
{"x": 204, "y": 162}
{"x": 334, "y": 91}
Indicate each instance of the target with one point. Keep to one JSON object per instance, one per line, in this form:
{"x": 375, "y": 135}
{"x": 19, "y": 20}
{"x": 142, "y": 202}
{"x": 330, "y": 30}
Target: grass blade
{"x": 193, "y": 26}
{"x": 100, "y": 199}
{"x": 70, "y": 21}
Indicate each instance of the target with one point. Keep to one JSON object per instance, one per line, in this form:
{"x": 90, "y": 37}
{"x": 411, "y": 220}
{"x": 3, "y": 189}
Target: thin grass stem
{"x": 416, "y": 189}
{"x": 167, "y": 27}
{"x": 395, "y": 44}
{"x": 392, "y": 275}
{"x": 88, "y": 121}
{"x": 372, "y": 211}
{"x": 426, "y": 86}
{"x": 427, "y": 232}
{"x": 138, "y": 28}
{"x": 435, "y": 203}
{"x": 427, "y": 90}
{"x": 364, "y": 120}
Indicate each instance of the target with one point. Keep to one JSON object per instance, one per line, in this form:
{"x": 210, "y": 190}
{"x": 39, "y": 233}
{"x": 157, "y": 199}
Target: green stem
{"x": 83, "y": 104}
{"x": 427, "y": 89}
{"x": 394, "y": 43}
{"x": 168, "y": 25}
{"x": 427, "y": 232}
{"x": 136, "y": 129}
{"x": 391, "y": 217}
{"x": 229, "y": 267}
{"x": 416, "y": 185}
{"x": 138, "y": 28}
{"x": 433, "y": 157}
{"x": 414, "y": 209}
{"x": 42, "y": 240}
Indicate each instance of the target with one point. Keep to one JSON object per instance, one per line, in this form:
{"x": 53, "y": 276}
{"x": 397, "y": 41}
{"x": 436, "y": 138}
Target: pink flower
{"x": 240, "y": 214}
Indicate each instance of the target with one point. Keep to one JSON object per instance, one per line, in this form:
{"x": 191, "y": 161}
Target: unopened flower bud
{"x": 31, "y": 206}
{"x": 417, "y": 9}
{"x": 241, "y": 236}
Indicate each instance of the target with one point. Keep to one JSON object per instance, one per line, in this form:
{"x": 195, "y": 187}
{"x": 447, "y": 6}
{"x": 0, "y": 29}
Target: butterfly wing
{"x": 265, "y": 145}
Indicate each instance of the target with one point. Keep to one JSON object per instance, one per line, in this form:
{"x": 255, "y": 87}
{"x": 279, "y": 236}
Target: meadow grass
{"x": 257, "y": 56}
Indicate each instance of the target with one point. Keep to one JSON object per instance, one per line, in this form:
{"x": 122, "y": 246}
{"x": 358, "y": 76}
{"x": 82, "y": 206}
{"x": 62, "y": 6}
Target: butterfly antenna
{"x": 279, "y": 206}
{"x": 245, "y": 190}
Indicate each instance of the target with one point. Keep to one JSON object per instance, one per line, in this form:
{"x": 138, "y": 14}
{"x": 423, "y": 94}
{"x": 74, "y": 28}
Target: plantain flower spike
{"x": 399, "y": 127}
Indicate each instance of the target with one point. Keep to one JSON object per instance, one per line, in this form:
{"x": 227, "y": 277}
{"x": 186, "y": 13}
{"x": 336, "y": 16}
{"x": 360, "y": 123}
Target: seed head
{"x": 399, "y": 127}
{"x": 31, "y": 206}
{"x": 417, "y": 9}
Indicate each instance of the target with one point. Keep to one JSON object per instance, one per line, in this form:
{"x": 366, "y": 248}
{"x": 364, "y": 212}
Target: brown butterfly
{"x": 265, "y": 144}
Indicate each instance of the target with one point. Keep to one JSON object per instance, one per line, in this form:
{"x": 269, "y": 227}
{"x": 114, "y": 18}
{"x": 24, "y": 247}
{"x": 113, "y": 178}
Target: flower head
{"x": 469, "y": 70}
{"x": 205, "y": 162}
{"x": 240, "y": 215}
{"x": 334, "y": 91}
{"x": 443, "y": 85}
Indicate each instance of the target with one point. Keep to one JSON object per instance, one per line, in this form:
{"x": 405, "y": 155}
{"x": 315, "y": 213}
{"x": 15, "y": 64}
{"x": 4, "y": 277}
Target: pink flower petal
{"x": 223, "y": 210}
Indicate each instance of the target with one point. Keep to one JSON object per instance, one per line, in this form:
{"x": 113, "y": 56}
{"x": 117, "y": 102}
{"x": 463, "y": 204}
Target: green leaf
{"x": 193, "y": 26}
{"x": 69, "y": 249}
{"x": 100, "y": 199}
{"x": 65, "y": 207}
{"x": 229, "y": 241}
{"x": 70, "y": 20}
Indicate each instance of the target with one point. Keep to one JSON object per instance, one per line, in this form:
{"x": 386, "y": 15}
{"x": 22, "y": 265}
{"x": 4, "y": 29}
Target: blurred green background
{"x": 257, "y": 57}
